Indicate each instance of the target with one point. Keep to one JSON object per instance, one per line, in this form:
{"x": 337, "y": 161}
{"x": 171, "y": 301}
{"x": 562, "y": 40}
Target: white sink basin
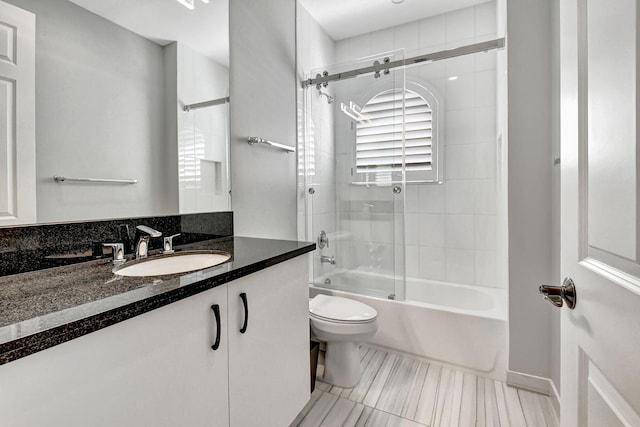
{"x": 179, "y": 262}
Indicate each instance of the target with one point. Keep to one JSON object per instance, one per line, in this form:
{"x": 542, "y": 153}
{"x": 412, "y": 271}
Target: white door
{"x": 600, "y": 383}
{"x": 17, "y": 116}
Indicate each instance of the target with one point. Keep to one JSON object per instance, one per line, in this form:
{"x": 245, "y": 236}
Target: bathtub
{"x": 455, "y": 324}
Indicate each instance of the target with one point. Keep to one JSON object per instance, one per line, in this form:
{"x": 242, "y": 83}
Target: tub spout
{"x": 328, "y": 259}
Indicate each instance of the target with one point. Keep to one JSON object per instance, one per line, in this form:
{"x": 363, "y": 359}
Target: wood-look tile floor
{"x": 398, "y": 390}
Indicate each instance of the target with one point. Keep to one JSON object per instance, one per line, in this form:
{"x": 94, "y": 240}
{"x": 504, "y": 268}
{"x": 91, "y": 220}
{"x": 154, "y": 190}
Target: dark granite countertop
{"x": 43, "y": 308}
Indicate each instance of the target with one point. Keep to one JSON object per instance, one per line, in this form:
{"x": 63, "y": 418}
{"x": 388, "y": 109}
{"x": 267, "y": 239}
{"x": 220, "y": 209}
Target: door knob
{"x": 557, "y": 295}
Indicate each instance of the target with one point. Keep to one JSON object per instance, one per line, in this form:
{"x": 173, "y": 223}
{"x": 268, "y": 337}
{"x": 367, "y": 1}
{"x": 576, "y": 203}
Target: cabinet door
{"x": 269, "y": 363}
{"x": 156, "y": 369}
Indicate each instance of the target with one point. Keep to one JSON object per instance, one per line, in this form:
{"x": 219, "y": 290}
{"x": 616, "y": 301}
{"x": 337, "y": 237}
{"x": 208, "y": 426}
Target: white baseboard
{"x": 529, "y": 382}
{"x": 538, "y": 385}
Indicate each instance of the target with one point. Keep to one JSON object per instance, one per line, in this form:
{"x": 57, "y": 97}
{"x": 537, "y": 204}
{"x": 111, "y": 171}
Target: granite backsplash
{"x": 37, "y": 247}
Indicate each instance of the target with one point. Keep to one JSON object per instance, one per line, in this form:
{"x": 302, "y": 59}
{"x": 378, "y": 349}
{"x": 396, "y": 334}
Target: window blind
{"x": 379, "y": 137}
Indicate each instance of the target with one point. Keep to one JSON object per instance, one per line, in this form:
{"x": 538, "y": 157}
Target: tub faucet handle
{"x": 323, "y": 240}
{"x": 167, "y": 245}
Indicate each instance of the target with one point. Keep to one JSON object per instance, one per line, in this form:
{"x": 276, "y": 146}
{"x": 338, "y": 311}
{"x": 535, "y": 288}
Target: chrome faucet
{"x": 328, "y": 259}
{"x": 142, "y": 245}
{"x": 117, "y": 250}
{"x": 167, "y": 244}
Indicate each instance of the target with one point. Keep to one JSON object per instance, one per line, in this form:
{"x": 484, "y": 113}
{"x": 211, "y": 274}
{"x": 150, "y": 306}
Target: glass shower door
{"x": 354, "y": 146}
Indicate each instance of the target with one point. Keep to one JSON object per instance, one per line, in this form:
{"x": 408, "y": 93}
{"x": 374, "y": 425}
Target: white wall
{"x": 450, "y": 229}
{"x": 99, "y": 98}
{"x": 263, "y": 103}
{"x": 530, "y": 185}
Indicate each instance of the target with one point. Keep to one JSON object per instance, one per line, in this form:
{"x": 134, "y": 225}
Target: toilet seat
{"x": 341, "y": 310}
{"x": 341, "y": 322}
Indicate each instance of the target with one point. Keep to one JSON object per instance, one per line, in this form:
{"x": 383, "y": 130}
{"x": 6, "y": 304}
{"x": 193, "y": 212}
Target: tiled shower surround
{"x": 37, "y": 247}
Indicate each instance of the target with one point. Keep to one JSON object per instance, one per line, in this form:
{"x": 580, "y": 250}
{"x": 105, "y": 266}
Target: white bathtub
{"x": 456, "y": 324}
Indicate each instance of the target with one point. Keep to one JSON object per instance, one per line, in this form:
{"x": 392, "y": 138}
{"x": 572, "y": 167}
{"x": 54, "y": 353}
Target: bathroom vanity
{"x": 170, "y": 350}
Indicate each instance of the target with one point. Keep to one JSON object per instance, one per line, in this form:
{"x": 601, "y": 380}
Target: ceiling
{"x": 347, "y": 18}
{"x": 204, "y": 29}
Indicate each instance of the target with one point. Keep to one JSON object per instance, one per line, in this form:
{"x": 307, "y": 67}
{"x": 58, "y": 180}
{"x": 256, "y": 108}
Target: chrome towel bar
{"x": 96, "y": 180}
{"x": 205, "y": 104}
{"x": 256, "y": 140}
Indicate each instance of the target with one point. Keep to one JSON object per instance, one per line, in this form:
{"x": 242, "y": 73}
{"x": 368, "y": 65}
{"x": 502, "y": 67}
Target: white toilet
{"x": 343, "y": 323}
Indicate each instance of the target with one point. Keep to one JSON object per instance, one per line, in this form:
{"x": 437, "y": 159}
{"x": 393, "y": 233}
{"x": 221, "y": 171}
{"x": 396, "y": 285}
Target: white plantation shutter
{"x": 380, "y": 147}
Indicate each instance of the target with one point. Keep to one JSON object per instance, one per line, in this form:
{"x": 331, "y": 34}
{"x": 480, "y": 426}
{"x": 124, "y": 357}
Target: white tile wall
{"x": 485, "y": 160}
{"x": 460, "y": 127}
{"x": 432, "y": 263}
{"x": 432, "y": 32}
{"x": 485, "y": 19}
{"x": 431, "y": 198}
{"x": 460, "y": 231}
{"x": 485, "y": 199}
{"x": 485, "y": 230}
{"x": 431, "y": 229}
{"x": 460, "y": 265}
{"x": 460, "y": 93}
{"x": 460, "y": 196}
{"x": 485, "y": 268}
{"x": 460, "y": 161}
{"x": 460, "y": 25}
{"x": 449, "y": 229}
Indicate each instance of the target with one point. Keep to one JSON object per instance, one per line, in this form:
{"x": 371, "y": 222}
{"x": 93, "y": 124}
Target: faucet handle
{"x": 323, "y": 240}
{"x": 117, "y": 251}
{"x": 168, "y": 244}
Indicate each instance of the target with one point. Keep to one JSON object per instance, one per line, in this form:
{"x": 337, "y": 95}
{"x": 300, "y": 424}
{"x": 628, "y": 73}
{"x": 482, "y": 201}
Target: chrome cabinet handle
{"x": 558, "y": 295}
{"x": 243, "y": 296}
{"x": 216, "y": 313}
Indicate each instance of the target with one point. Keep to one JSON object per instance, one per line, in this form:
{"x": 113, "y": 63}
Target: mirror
{"x": 112, "y": 80}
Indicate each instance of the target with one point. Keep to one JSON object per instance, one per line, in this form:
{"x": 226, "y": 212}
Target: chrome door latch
{"x": 558, "y": 295}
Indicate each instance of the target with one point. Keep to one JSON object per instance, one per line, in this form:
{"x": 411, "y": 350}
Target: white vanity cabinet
{"x": 158, "y": 369}
{"x": 269, "y": 362}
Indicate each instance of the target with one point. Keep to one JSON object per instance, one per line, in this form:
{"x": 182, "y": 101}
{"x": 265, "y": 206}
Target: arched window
{"x": 389, "y": 142}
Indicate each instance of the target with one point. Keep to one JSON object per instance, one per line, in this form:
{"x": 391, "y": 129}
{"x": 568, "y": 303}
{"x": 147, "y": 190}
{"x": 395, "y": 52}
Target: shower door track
{"x": 387, "y": 65}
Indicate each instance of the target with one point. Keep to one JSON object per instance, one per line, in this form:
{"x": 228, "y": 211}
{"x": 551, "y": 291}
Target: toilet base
{"x": 342, "y": 364}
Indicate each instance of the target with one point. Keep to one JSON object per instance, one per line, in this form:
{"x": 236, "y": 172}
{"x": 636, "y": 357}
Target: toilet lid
{"x": 341, "y": 309}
